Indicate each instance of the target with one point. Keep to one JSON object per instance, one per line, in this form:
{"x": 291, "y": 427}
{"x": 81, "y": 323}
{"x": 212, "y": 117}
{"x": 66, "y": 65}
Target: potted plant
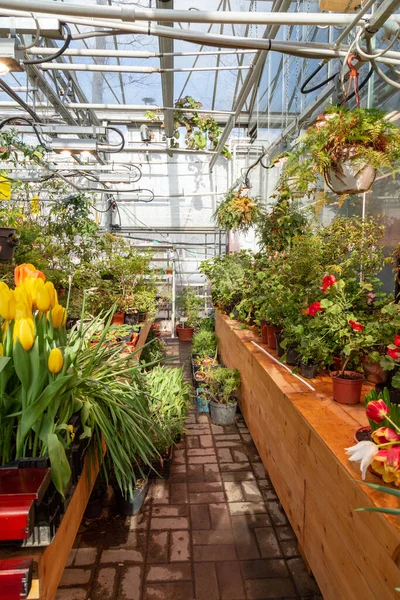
{"x": 131, "y": 505}
{"x": 237, "y": 212}
{"x": 189, "y": 304}
{"x": 223, "y": 383}
{"x": 204, "y": 346}
{"x": 346, "y": 148}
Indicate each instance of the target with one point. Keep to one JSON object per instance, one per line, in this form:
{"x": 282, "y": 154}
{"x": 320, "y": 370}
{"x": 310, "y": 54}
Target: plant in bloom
{"x": 396, "y": 340}
{"x": 356, "y": 326}
{"x": 314, "y": 308}
{"x": 327, "y": 282}
{"x": 377, "y": 411}
{"x": 394, "y": 353}
{"x": 364, "y": 453}
{"x": 55, "y": 361}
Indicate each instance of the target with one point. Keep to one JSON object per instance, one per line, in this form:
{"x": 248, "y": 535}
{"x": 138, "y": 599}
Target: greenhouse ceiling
{"x": 109, "y": 64}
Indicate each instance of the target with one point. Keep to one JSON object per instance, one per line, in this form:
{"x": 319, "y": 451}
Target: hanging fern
{"x": 238, "y": 212}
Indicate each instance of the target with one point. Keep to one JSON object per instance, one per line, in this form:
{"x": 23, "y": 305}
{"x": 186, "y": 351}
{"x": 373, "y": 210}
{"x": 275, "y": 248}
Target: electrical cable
{"x": 362, "y": 52}
{"x": 31, "y": 123}
{"x": 379, "y": 72}
{"x": 37, "y": 35}
{"x": 320, "y": 85}
{"x": 106, "y": 147}
{"x": 38, "y": 61}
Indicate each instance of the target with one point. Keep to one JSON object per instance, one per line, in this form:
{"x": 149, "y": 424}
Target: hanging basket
{"x": 350, "y": 176}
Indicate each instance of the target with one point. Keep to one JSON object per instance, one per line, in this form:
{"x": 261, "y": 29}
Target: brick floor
{"x": 213, "y": 531}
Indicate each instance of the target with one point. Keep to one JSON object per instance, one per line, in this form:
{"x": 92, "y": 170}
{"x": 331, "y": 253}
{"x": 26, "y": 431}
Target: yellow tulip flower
{"x": 58, "y": 316}
{"x": 3, "y": 287}
{"x": 7, "y": 304}
{"x": 24, "y": 331}
{"x": 1, "y": 350}
{"x": 55, "y": 361}
{"x": 43, "y": 300}
{"x": 52, "y": 292}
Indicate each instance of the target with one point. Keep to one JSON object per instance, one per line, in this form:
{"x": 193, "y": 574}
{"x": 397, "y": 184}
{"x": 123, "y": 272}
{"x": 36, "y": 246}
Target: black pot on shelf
{"x": 279, "y": 338}
{"x": 131, "y": 318}
{"x": 292, "y": 356}
{"x": 142, "y": 317}
{"x": 8, "y": 242}
{"x": 309, "y": 370}
{"x": 131, "y": 506}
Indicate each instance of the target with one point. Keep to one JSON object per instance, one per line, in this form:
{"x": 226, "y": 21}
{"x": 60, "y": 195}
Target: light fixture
{"x": 145, "y": 133}
{"x": 73, "y": 145}
{"x": 86, "y": 154}
{"x": 65, "y": 152}
{"x": 9, "y": 56}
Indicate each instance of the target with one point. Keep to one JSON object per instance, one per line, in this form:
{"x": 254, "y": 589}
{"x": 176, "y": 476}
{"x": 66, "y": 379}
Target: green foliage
{"x": 222, "y": 384}
{"x": 237, "y": 212}
{"x": 204, "y": 344}
{"x": 277, "y": 229}
{"x": 189, "y": 304}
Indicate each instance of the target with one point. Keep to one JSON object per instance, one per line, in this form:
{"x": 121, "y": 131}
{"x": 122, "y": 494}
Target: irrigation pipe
{"x": 278, "y": 362}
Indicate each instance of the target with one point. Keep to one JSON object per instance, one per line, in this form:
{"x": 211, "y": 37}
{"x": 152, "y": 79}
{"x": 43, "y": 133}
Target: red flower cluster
{"x": 396, "y": 340}
{"x": 356, "y": 326}
{"x": 327, "y": 281}
{"x": 314, "y": 308}
{"x": 394, "y": 352}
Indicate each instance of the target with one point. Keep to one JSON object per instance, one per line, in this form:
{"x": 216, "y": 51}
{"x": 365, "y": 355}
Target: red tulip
{"x": 383, "y": 435}
{"x": 356, "y": 326}
{"x": 396, "y": 340}
{"x": 26, "y": 270}
{"x": 394, "y": 353}
{"x": 314, "y": 308}
{"x": 377, "y": 411}
{"x": 327, "y": 281}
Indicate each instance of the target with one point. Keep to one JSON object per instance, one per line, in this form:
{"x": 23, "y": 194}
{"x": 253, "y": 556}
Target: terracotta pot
{"x": 264, "y": 333}
{"x": 118, "y": 319}
{"x": 185, "y": 334}
{"x": 271, "y": 331}
{"x": 373, "y": 371}
{"x": 362, "y": 436}
{"x": 347, "y": 391}
{"x": 8, "y": 242}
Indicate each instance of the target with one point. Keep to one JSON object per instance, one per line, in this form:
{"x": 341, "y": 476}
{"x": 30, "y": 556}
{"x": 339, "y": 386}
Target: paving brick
{"x": 178, "y": 469}
{"x": 171, "y": 523}
{"x": 268, "y": 542}
{"x": 251, "y": 521}
{"x": 285, "y": 532}
{"x": 124, "y": 539}
{"x": 200, "y": 452}
{"x": 246, "y": 544}
{"x": 290, "y": 548}
{"x": 169, "y": 572}
{"x": 264, "y": 484}
{"x": 160, "y": 491}
{"x": 178, "y": 493}
{"x": 269, "y": 494}
{"x": 233, "y": 491}
{"x": 211, "y": 473}
{"x": 75, "y": 577}
{"x": 277, "y": 514}
{"x": 231, "y": 467}
{"x": 71, "y": 557}
{"x": 206, "y": 441}
{"x": 259, "y": 471}
{"x": 247, "y": 508}
{"x": 206, "y": 497}
{"x": 180, "y": 546}
{"x": 193, "y": 441}
{"x": 261, "y": 569}
{"x": 239, "y": 455}
{"x": 228, "y": 443}
{"x": 206, "y": 583}
{"x": 71, "y": 594}
{"x": 195, "y": 472}
{"x": 199, "y": 427}
{"x": 121, "y": 555}
{"x": 230, "y": 436}
{"x": 238, "y": 476}
{"x": 140, "y": 521}
{"x": 262, "y": 589}
{"x": 220, "y": 516}
{"x": 251, "y": 491}
{"x": 217, "y": 429}
{"x": 214, "y": 553}
{"x": 131, "y": 584}
{"x": 178, "y": 510}
{"x": 207, "y": 486}
{"x": 211, "y": 537}
{"x": 230, "y": 581}
{"x": 157, "y": 550}
{"x": 179, "y": 457}
{"x": 224, "y": 455}
{"x": 200, "y": 516}
{"x": 305, "y": 584}
{"x": 103, "y": 587}
{"x": 85, "y": 556}
{"x": 177, "y": 590}
{"x": 203, "y": 460}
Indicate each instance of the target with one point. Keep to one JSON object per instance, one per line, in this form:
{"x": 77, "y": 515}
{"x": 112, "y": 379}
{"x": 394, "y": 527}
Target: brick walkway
{"x": 213, "y": 531}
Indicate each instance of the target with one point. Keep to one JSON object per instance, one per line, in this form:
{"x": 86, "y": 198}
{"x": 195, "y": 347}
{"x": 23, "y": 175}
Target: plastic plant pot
{"x": 118, "y": 319}
{"x": 363, "y": 434}
{"x": 131, "y": 506}
{"x": 347, "y": 390}
{"x": 309, "y": 371}
{"x": 223, "y": 414}
{"x": 292, "y": 357}
{"x": 264, "y": 333}
{"x": 279, "y": 338}
{"x": 202, "y": 404}
{"x": 271, "y": 331}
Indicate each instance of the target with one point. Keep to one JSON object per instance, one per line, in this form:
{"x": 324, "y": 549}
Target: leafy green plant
{"x": 277, "y": 229}
{"x": 237, "y": 212}
{"x": 189, "y": 304}
{"x": 204, "y": 344}
{"x": 222, "y": 384}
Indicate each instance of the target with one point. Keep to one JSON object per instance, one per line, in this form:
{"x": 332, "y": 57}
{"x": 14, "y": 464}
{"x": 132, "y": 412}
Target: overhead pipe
{"x": 55, "y": 66}
{"x": 94, "y": 52}
{"x": 127, "y": 14}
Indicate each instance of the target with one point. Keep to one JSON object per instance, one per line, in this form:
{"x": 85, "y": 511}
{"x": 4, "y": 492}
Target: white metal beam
{"x": 166, "y": 47}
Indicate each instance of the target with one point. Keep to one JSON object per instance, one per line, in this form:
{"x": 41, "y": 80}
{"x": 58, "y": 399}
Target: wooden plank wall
{"x": 301, "y": 437}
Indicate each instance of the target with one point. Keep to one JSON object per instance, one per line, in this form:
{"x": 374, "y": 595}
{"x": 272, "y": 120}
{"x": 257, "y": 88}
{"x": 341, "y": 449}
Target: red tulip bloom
{"x": 394, "y": 353}
{"x": 377, "y": 411}
{"x": 314, "y": 308}
{"x": 356, "y": 326}
{"x": 396, "y": 340}
{"x": 327, "y": 281}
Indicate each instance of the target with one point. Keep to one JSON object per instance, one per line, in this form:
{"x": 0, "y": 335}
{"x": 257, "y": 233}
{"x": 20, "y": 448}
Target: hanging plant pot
{"x": 351, "y": 175}
{"x": 185, "y": 333}
{"x": 347, "y": 386}
{"x": 8, "y": 242}
{"x": 373, "y": 371}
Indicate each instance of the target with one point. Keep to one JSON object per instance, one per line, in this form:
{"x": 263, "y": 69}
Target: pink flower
{"x": 377, "y": 411}
{"x": 314, "y": 308}
{"x": 371, "y": 297}
{"x": 394, "y": 353}
{"x": 327, "y": 281}
{"x": 356, "y": 326}
{"x": 396, "y": 340}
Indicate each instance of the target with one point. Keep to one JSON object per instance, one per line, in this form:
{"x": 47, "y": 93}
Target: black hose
{"x": 303, "y": 89}
{"x": 31, "y": 123}
{"x": 38, "y": 61}
{"x": 119, "y": 147}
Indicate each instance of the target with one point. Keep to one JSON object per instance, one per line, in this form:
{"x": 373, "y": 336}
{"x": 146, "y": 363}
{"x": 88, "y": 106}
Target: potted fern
{"x": 237, "y": 212}
{"x": 347, "y": 148}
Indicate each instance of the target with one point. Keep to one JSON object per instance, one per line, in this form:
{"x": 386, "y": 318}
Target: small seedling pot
{"x": 309, "y": 371}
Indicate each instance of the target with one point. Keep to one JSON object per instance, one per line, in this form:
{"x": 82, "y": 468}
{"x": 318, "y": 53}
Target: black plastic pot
{"x": 279, "y": 338}
{"x": 131, "y": 318}
{"x": 309, "y": 371}
{"x": 292, "y": 356}
{"x": 142, "y": 317}
{"x": 131, "y": 506}
{"x": 8, "y": 242}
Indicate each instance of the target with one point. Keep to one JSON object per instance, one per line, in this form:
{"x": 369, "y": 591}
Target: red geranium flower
{"x": 394, "y": 353}
{"x": 356, "y": 326}
{"x": 396, "y": 340}
{"x": 314, "y": 308}
{"x": 327, "y": 281}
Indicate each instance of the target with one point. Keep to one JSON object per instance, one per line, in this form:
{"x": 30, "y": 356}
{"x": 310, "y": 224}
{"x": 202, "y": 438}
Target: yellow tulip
{"x": 4, "y": 329}
{"x": 43, "y": 300}
{"x": 1, "y": 349}
{"x": 58, "y": 316}
{"x": 24, "y": 331}
{"x": 52, "y": 292}
{"x": 26, "y": 270}
{"x": 3, "y": 287}
{"x": 55, "y": 361}
{"x": 30, "y": 288}
{"x": 7, "y": 304}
